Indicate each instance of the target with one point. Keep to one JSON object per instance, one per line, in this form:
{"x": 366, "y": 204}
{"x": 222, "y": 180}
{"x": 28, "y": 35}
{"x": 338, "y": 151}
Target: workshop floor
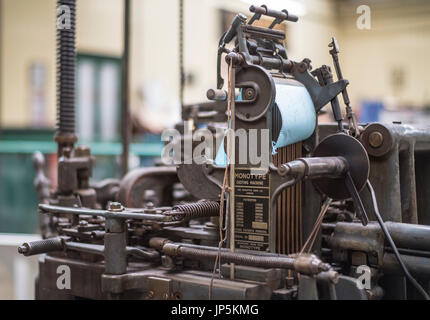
{"x": 17, "y": 273}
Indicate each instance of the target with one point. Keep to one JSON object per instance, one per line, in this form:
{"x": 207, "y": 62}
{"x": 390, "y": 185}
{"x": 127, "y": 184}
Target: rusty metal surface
{"x": 355, "y": 237}
{"x": 198, "y": 181}
{"x": 405, "y": 199}
{"x": 147, "y": 284}
{"x": 158, "y": 179}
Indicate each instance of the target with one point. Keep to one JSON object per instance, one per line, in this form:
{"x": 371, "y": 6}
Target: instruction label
{"x": 252, "y": 210}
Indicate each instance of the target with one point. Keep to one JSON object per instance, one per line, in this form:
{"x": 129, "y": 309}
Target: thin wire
{"x": 315, "y": 229}
{"x": 393, "y": 246}
{"x": 326, "y": 206}
{"x": 224, "y": 183}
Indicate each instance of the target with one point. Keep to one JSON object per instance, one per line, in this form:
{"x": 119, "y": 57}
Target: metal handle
{"x": 282, "y": 15}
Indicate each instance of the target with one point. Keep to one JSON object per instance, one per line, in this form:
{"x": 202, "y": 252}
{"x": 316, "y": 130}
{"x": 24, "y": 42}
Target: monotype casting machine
{"x": 307, "y": 211}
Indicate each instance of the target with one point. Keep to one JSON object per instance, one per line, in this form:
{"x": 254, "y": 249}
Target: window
{"x": 98, "y": 98}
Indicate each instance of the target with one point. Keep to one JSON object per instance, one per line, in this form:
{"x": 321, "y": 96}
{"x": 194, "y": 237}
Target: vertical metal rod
{"x": 66, "y": 68}
{"x": 1, "y": 52}
{"x": 125, "y": 109}
{"x": 232, "y": 164}
{"x": 181, "y": 54}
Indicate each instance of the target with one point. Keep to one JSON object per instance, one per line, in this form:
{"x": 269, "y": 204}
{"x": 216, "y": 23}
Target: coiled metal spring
{"x": 200, "y": 209}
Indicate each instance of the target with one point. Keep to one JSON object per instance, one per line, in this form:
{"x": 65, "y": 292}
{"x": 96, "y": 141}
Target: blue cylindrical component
{"x": 297, "y": 114}
{"x": 296, "y": 117}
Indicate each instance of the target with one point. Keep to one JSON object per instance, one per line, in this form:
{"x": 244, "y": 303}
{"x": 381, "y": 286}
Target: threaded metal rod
{"x": 306, "y": 264}
{"x": 238, "y": 258}
{"x": 66, "y": 66}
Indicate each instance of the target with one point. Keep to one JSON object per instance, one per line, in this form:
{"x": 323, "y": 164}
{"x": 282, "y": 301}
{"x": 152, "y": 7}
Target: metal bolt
{"x": 115, "y": 206}
{"x": 67, "y": 152}
{"x": 82, "y": 151}
{"x": 249, "y": 93}
{"x": 333, "y": 276}
{"x": 149, "y": 295}
{"x": 22, "y": 249}
{"x": 376, "y": 139}
{"x": 149, "y": 205}
{"x": 283, "y": 170}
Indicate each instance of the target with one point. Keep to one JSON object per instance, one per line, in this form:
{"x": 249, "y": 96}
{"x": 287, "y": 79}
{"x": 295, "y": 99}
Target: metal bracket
{"x": 321, "y": 95}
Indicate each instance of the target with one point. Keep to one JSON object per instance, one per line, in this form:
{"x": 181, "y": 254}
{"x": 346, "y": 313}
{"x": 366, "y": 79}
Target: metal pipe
{"x": 104, "y": 213}
{"x": 1, "y": 59}
{"x": 419, "y": 266}
{"x": 404, "y": 235}
{"x": 100, "y": 250}
{"x": 410, "y": 236}
{"x": 278, "y": 63}
{"x": 410, "y": 252}
{"x": 284, "y": 15}
{"x": 273, "y": 63}
{"x": 216, "y": 94}
{"x": 85, "y": 247}
{"x": 125, "y": 109}
{"x": 314, "y": 168}
{"x": 181, "y": 54}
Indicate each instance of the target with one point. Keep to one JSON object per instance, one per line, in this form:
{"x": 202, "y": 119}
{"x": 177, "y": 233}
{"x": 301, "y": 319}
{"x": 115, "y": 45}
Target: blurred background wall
{"x": 387, "y": 66}
{"x": 386, "y": 62}
{"x": 390, "y": 62}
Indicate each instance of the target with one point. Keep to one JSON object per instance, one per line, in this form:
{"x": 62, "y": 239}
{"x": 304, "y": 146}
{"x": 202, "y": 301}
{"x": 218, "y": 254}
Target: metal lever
{"x": 325, "y": 77}
{"x": 226, "y": 38}
{"x": 321, "y": 95}
{"x": 361, "y": 212}
{"x": 353, "y": 126}
{"x": 231, "y": 32}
